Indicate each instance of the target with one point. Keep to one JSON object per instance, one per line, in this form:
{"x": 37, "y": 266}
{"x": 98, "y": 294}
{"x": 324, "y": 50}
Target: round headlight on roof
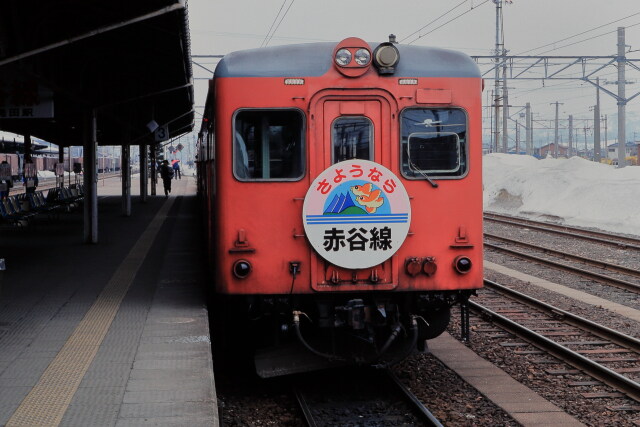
{"x": 363, "y": 57}
{"x": 343, "y": 57}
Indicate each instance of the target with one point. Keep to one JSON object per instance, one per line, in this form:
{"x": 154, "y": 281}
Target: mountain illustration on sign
{"x": 365, "y": 195}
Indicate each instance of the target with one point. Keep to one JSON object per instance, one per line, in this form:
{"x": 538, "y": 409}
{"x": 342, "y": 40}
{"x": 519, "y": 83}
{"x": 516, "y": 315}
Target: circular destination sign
{"x": 356, "y": 214}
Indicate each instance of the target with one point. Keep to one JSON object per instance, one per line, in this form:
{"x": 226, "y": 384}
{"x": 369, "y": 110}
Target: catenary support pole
{"x": 505, "y": 110}
{"x": 622, "y": 102}
{"x": 496, "y": 94}
{"x": 596, "y": 125}
{"x": 571, "y": 150}
{"x": 528, "y": 129}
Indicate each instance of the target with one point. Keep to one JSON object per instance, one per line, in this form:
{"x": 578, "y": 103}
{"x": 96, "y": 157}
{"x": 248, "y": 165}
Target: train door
{"x": 344, "y": 128}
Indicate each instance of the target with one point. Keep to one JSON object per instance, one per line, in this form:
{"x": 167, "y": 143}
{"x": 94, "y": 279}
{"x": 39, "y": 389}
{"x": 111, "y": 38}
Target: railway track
{"x": 359, "y": 397}
{"x": 604, "y": 354}
{"x": 580, "y": 233}
{"x": 619, "y": 276}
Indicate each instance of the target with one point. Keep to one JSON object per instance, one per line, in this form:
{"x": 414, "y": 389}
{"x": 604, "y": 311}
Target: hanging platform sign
{"x": 24, "y": 98}
{"x": 356, "y": 214}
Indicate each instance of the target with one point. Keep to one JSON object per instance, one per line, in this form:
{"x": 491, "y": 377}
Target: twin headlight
{"x": 344, "y": 56}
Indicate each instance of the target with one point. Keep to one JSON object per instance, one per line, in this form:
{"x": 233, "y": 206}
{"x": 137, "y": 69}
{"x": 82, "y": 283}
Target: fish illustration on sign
{"x": 368, "y": 197}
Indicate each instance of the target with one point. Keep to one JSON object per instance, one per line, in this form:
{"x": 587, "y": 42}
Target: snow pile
{"x": 570, "y": 191}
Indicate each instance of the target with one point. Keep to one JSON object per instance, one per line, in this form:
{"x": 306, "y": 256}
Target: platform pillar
{"x": 90, "y": 160}
{"x": 144, "y": 168}
{"x": 125, "y": 173}
{"x": 154, "y": 172}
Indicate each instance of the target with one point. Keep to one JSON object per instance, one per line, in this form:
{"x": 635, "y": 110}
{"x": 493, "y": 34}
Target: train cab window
{"x": 434, "y": 143}
{"x": 352, "y": 138}
{"x": 268, "y": 145}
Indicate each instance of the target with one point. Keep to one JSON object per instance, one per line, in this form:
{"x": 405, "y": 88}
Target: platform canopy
{"x": 128, "y": 60}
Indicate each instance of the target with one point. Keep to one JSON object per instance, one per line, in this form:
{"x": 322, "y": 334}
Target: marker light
{"x": 429, "y": 267}
{"x": 412, "y": 266}
{"x": 363, "y": 57}
{"x": 241, "y": 268}
{"x": 343, "y": 57}
{"x": 462, "y": 264}
{"x": 408, "y": 81}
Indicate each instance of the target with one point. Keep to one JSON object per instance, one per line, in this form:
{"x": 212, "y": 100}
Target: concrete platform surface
{"x": 522, "y": 403}
{"x": 110, "y": 334}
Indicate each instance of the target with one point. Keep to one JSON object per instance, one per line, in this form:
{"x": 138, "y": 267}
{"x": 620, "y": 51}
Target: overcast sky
{"x": 530, "y": 27}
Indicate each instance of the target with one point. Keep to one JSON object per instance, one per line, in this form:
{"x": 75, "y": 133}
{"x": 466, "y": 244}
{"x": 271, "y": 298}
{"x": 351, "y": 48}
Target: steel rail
{"x": 428, "y": 417}
{"x": 601, "y": 331}
{"x": 622, "y": 284}
{"x": 593, "y": 262}
{"x": 607, "y": 238}
{"x": 304, "y": 406}
{"x": 594, "y": 369}
{"x": 419, "y": 410}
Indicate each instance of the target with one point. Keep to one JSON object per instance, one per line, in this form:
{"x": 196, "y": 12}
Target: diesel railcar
{"x": 342, "y": 197}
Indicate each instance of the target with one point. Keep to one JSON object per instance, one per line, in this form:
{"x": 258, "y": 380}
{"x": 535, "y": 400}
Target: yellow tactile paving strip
{"x": 49, "y": 399}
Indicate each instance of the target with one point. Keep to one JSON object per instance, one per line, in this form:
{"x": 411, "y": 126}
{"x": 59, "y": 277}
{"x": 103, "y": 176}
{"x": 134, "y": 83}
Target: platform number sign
{"x": 162, "y": 133}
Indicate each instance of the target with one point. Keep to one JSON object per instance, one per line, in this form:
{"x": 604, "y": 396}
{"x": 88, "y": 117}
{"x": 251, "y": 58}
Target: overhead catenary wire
{"x": 272, "y": 24}
{"x": 579, "y": 34}
{"x": 449, "y": 21}
{"x": 434, "y": 20}
{"x": 590, "y": 38}
{"x": 279, "y": 22}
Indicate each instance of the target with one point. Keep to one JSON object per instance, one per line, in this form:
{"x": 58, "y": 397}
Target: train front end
{"x": 347, "y": 197}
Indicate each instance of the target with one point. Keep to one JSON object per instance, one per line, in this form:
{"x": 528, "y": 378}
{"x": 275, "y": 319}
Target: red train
{"x": 341, "y": 185}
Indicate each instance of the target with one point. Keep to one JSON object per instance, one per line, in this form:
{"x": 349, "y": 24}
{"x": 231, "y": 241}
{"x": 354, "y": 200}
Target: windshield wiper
{"x": 424, "y": 175}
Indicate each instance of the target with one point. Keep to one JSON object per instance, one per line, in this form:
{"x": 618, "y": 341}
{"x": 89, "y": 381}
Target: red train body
{"x": 276, "y": 122}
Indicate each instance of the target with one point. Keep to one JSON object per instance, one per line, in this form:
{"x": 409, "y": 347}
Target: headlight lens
{"x": 343, "y": 57}
{"x": 363, "y": 57}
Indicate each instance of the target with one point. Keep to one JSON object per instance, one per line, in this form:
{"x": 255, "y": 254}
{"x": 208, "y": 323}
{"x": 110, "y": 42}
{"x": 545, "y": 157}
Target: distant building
{"x": 543, "y": 151}
{"x": 631, "y": 149}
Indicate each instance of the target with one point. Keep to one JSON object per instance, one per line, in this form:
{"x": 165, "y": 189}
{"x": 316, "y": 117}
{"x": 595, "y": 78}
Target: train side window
{"x": 434, "y": 143}
{"x": 268, "y": 145}
{"x": 352, "y": 138}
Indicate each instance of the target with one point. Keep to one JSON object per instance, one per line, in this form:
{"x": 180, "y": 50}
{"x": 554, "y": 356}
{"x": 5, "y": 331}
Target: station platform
{"x": 108, "y": 334}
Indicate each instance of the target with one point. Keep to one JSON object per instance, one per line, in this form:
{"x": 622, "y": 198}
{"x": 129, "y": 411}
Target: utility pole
{"x": 571, "y": 136}
{"x": 596, "y": 125}
{"x": 622, "y": 102}
{"x": 528, "y": 129}
{"x": 555, "y": 139}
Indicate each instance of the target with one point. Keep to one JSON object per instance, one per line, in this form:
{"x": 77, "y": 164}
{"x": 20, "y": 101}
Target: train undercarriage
{"x": 297, "y": 333}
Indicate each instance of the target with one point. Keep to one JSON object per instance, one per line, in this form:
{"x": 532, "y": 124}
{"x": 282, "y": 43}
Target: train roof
{"x": 314, "y": 59}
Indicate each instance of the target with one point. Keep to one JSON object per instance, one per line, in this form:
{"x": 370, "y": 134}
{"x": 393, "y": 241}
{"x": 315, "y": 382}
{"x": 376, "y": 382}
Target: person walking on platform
{"x": 5, "y": 180}
{"x": 176, "y": 169}
{"x": 166, "y": 173}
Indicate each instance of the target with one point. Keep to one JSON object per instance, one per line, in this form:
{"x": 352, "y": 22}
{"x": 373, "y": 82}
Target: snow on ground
{"x": 571, "y": 191}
